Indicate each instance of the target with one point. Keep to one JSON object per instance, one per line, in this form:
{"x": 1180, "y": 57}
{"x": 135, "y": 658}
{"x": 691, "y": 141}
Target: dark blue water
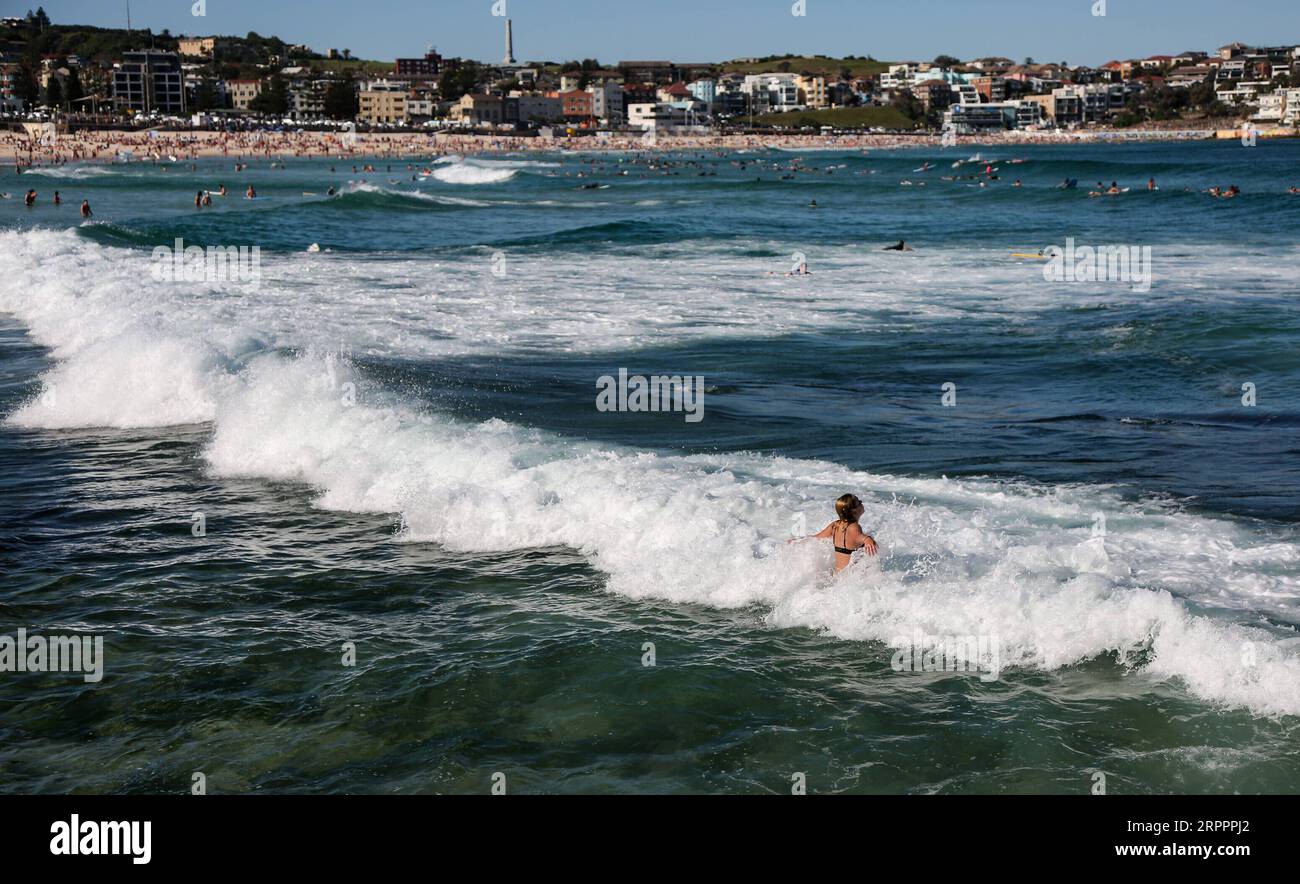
{"x": 500, "y": 553}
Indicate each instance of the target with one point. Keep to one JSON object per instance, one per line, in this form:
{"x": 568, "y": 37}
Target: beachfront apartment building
{"x": 965, "y": 93}
{"x": 526, "y": 109}
{"x": 812, "y": 92}
{"x": 307, "y": 96}
{"x": 1291, "y": 107}
{"x": 1095, "y": 101}
{"x": 479, "y": 109}
{"x": 773, "y": 93}
{"x": 1272, "y": 108}
{"x": 993, "y": 117}
{"x": 934, "y": 94}
{"x": 149, "y": 81}
{"x": 705, "y": 90}
{"x": 1061, "y": 107}
{"x": 9, "y": 100}
{"x": 578, "y": 106}
{"x": 382, "y": 104}
{"x": 421, "y": 105}
{"x": 607, "y": 104}
{"x": 656, "y": 116}
{"x": 243, "y": 92}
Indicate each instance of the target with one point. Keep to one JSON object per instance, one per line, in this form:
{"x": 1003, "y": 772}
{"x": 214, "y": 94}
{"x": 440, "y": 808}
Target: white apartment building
{"x": 607, "y": 101}
{"x": 773, "y": 92}
{"x": 655, "y": 117}
{"x": 1291, "y": 111}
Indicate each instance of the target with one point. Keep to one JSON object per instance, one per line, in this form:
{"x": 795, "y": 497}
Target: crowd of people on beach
{"x": 159, "y": 146}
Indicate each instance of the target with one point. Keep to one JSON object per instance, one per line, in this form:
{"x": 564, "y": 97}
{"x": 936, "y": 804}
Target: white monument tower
{"x": 510, "y": 43}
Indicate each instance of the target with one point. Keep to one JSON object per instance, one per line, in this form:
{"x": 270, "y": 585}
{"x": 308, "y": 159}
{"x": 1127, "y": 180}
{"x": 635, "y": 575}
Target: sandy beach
{"x": 24, "y": 149}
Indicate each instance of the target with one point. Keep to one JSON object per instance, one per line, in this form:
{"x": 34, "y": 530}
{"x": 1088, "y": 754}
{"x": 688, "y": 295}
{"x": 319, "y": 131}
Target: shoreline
{"x": 23, "y": 151}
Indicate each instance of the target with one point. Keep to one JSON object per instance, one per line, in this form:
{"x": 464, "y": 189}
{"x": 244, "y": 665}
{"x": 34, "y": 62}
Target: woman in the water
{"x": 846, "y": 533}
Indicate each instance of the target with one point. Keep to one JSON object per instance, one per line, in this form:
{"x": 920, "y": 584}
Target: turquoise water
{"x": 394, "y": 443}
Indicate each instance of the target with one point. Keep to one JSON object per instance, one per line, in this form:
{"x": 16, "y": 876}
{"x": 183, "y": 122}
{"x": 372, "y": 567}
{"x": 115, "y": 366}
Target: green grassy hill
{"x": 814, "y": 65}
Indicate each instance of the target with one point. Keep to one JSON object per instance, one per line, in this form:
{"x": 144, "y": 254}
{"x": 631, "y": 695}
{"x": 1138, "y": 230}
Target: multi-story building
{"x": 382, "y": 105}
{"x": 774, "y": 93}
{"x": 965, "y": 93}
{"x": 1189, "y": 75}
{"x": 526, "y": 109}
{"x": 307, "y": 96}
{"x": 1272, "y": 108}
{"x": 607, "y": 102}
{"x": 1291, "y": 109}
{"x": 9, "y": 98}
{"x": 812, "y": 92}
{"x": 577, "y": 106}
{"x": 655, "y": 116}
{"x": 1062, "y": 107}
{"x": 971, "y": 119}
{"x": 197, "y": 47}
{"x": 899, "y": 76}
{"x": 1096, "y": 101}
{"x": 149, "y": 81}
{"x": 427, "y": 68}
{"x": 991, "y": 89}
{"x": 242, "y": 93}
{"x": 933, "y": 94}
{"x": 673, "y": 92}
{"x": 477, "y": 109}
{"x": 704, "y": 90}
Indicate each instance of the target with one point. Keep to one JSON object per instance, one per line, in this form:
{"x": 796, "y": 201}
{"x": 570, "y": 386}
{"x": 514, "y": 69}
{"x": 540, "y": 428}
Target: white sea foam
{"x": 1176, "y": 594}
{"x": 468, "y": 173}
{"x": 74, "y": 173}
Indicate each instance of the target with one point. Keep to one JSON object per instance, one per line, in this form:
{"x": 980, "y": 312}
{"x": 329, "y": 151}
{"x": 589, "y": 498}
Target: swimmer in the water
{"x": 846, "y": 534}
{"x": 85, "y": 209}
{"x": 58, "y": 200}
{"x": 252, "y": 193}
{"x": 30, "y": 199}
{"x": 901, "y": 247}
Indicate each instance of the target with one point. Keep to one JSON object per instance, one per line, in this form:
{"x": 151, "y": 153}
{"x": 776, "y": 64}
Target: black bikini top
{"x": 839, "y": 549}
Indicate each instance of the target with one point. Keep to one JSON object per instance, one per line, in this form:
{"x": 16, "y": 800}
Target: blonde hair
{"x": 845, "y": 506}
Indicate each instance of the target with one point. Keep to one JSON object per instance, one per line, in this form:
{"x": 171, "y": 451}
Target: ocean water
{"x": 394, "y": 445}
